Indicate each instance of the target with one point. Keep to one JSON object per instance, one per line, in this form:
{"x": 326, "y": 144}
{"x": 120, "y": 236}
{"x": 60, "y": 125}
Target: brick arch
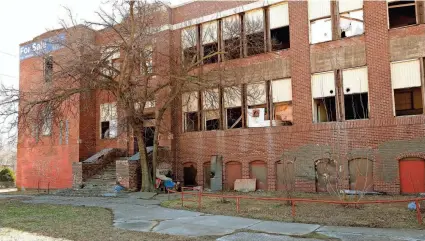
{"x": 258, "y": 170}
{"x": 285, "y": 175}
{"x": 404, "y": 155}
{"x": 233, "y": 171}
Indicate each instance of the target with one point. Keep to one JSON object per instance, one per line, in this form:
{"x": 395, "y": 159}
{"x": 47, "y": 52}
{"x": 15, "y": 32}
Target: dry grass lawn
{"x": 74, "y": 223}
{"x": 371, "y": 215}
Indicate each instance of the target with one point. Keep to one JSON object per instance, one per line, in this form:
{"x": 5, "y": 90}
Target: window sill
{"x": 401, "y": 27}
{"x": 401, "y": 116}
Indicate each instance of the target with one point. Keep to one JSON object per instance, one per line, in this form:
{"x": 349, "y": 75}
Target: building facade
{"x": 339, "y": 98}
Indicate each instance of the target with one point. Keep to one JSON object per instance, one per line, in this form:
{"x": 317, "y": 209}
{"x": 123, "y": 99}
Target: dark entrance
{"x": 148, "y": 136}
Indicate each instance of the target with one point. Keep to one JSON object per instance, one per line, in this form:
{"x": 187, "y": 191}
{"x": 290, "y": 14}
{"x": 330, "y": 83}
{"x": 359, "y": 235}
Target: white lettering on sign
{"x": 42, "y": 47}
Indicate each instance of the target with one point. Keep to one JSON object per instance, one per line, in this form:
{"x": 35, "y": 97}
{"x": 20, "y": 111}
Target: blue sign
{"x": 42, "y": 47}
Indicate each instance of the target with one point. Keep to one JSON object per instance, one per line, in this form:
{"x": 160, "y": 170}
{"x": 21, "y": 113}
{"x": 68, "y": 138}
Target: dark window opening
{"x": 190, "y": 55}
{"x": 148, "y": 135}
{"x": 210, "y": 49}
{"x": 213, "y": 124}
{"x": 401, "y": 13}
{"x": 232, "y": 48}
{"x": 343, "y": 35}
{"x": 280, "y": 38}
{"x": 48, "y": 68}
{"x": 191, "y": 121}
{"x": 356, "y": 106}
{"x": 255, "y": 43}
{"x": 189, "y": 175}
{"x": 408, "y": 101}
{"x": 325, "y": 109}
{"x": 234, "y": 118}
{"x": 104, "y": 127}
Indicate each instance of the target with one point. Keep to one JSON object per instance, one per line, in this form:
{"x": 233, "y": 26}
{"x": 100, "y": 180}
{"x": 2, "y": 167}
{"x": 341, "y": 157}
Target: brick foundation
{"x": 128, "y": 174}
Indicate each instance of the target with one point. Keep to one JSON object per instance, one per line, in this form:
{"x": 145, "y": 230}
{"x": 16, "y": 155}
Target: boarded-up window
{"x": 258, "y": 170}
{"x": 361, "y": 174}
{"x": 405, "y": 74}
{"x": 285, "y": 176}
{"x": 319, "y": 9}
{"x": 323, "y": 85}
{"x": 233, "y": 172}
{"x": 326, "y": 175}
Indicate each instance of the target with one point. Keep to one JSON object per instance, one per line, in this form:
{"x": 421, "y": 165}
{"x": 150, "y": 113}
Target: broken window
{"x": 232, "y": 37}
{"x": 323, "y": 92}
{"x": 257, "y": 113}
{"x": 190, "y": 108}
{"x": 407, "y": 86}
{"x": 48, "y": 68}
{"x": 189, "y": 43}
{"x": 211, "y": 112}
{"x": 355, "y": 85}
{"x": 254, "y": 32}
{"x": 210, "y": 42}
{"x": 279, "y": 26}
{"x": 401, "y": 13}
{"x": 320, "y": 21}
{"x": 47, "y": 121}
{"x": 233, "y": 106}
{"x": 108, "y": 120}
{"x": 146, "y": 61}
{"x": 110, "y": 56}
{"x": 282, "y": 102}
{"x": 351, "y": 17}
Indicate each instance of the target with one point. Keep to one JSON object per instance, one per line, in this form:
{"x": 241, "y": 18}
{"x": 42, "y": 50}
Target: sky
{"x": 22, "y": 20}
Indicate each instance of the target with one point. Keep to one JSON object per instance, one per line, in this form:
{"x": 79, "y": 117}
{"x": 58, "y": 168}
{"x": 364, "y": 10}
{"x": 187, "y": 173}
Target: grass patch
{"x": 69, "y": 222}
{"x": 395, "y": 215}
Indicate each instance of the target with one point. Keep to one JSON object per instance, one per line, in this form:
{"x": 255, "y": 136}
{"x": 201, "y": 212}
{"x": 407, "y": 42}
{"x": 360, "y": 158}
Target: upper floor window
{"x": 111, "y": 55}
{"x": 231, "y": 32}
{"x": 355, "y": 88}
{"x": 351, "y": 17}
{"x": 319, "y": 13}
{"x": 254, "y": 32}
{"x": 146, "y": 63}
{"x": 401, "y": 13}
{"x": 48, "y": 68}
{"x": 209, "y": 42}
{"x": 279, "y": 26}
{"x": 407, "y": 87}
{"x": 190, "y": 109}
{"x": 47, "y": 121}
{"x": 189, "y": 43}
{"x": 211, "y": 109}
{"x": 108, "y": 120}
{"x": 323, "y": 93}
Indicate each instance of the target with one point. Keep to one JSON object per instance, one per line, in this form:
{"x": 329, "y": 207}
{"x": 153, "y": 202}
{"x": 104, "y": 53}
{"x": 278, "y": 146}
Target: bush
{"x": 7, "y": 175}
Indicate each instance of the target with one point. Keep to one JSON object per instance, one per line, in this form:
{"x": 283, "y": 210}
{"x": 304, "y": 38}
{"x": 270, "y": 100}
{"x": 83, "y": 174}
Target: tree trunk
{"x": 158, "y": 119}
{"x": 147, "y": 184}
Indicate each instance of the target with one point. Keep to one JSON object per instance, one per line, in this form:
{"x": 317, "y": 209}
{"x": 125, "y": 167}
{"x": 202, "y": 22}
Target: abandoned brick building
{"x": 343, "y": 94}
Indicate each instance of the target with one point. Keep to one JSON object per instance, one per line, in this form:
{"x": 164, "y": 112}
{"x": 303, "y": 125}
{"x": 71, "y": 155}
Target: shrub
{"x": 7, "y": 175}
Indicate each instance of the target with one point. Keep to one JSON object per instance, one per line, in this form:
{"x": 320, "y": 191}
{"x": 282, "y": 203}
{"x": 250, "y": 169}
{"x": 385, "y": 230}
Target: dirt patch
{"x": 394, "y": 215}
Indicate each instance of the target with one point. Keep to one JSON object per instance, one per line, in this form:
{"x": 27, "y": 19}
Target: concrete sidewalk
{"x": 136, "y": 214}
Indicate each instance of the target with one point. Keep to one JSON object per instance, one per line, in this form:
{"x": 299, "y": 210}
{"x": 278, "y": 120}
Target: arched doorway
{"x": 233, "y": 172}
{"x": 285, "y": 176}
{"x": 412, "y": 175}
{"x": 326, "y": 175}
{"x": 189, "y": 174}
{"x": 258, "y": 170}
{"x": 207, "y": 174}
{"x": 361, "y": 174}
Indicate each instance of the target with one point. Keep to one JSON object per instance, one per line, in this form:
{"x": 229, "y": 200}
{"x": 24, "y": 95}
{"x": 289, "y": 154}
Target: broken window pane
{"x": 356, "y": 106}
{"x": 254, "y": 28}
{"x": 191, "y": 121}
{"x": 325, "y": 109}
{"x": 283, "y": 113}
{"x": 257, "y": 116}
{"x": 190, "y": 56}
{"x": 321, "y": 30}
{"x": 351, "y": 24}
{"x": 408, "y": 101}
{"x": 232, "y": 37}
{"x": 210, "y": 50}
{"x": 401, "y": 13}
{"x": 104, "y": 126}
{"x": 234, "y": 117}
{"x": 212, "y": 120}
{"x": 209, "y": 42}
{"x": 255, "y": 43}
{"x": 280, "y": 38}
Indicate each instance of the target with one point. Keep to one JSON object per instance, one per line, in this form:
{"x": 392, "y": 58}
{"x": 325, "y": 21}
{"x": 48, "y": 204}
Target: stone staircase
{"x": 98, "y": 185}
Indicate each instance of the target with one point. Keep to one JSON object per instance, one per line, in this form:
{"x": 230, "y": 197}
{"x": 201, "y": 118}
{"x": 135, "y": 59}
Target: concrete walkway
{"x": 133, "y": 213}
